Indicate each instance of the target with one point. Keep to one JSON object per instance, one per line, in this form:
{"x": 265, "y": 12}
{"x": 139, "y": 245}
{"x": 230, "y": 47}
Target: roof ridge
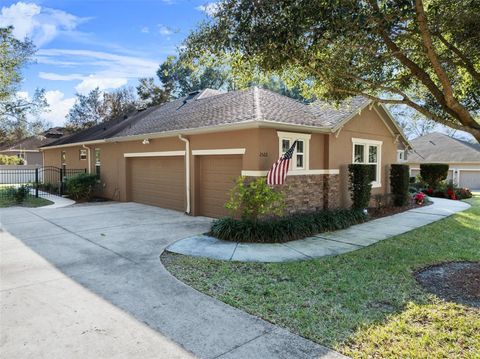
{"x": 256, "y": 104}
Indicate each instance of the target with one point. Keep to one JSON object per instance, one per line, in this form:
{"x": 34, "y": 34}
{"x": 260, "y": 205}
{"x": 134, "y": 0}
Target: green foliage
{"x": 284, "y": 229}
{"x": 10, "y": 160}
{"x": 81, "y": 186}
{"x": 17, "y": 113}
{"x": 341, "y": 48}
{"x": 253, "y": 199}
{"x": 399, "y": 183}
{"x": 360, "y": 184}
{"x": 433, "y": 173}
{"x": 97, "y": 106}
{"x": 15, "y": 194}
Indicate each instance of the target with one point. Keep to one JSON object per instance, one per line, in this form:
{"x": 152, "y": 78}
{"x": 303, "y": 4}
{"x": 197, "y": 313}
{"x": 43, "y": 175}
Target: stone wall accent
{"x": 304, "y": 193}
{"x": 308, "y": 193}
{"x": 332, "y": 191}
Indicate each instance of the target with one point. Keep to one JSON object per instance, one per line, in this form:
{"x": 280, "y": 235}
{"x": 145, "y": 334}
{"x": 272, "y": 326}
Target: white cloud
{"x": 58, "y": 107}
{"x": 145, "y": 30}
{"x": 106, "y": 70}
{"x": 103, "y": 83}
{"x": 38, "y": 23}
{"x": 164, "y": 30}
{"x": 210, "y": 8}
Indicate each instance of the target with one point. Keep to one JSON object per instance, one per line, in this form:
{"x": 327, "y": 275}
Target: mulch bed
{"x": 453, "y": 281}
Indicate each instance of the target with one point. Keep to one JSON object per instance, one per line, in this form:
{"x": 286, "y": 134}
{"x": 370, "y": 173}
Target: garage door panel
{"x": 470, "y": 179}
{"x": 217, "y": 175}
{"x": 158, "y": 181}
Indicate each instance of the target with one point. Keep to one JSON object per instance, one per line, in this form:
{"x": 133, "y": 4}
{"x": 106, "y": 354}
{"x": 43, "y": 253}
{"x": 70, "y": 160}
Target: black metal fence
{"x": 40, "y": 181}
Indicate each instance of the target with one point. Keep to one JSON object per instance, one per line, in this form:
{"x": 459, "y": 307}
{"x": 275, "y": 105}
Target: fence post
{"x": 36, "y": 182}
{"x": 61, "y": 181}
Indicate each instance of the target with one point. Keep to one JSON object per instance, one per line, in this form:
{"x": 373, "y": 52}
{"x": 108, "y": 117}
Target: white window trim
{"x": 292, "y": 136}
{"x": 98, "y": 163}
{"x": 366, "y": 143}
{"x": 398, "y": 156}
{"x": 225, "y": 151}
{"x": 253, "y": 173}
{"x": 154, "y": 154}
{"x": 80, "y": 154}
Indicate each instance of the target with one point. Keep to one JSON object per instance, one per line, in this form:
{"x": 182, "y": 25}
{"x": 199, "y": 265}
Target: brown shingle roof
{"x": 438, "y": 147}
{"x": 210, "y": 108}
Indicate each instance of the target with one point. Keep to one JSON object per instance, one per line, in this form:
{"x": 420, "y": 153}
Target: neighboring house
{"x": 462, "y": 157}
{"x": 186, "y": 154}
{"x": 28, "y": 148}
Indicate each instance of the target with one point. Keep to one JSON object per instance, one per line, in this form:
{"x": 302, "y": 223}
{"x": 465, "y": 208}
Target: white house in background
{"x": 462, "y": 157}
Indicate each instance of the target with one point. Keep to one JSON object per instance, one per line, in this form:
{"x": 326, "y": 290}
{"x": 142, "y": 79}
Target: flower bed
{"x": 284, "y": 229}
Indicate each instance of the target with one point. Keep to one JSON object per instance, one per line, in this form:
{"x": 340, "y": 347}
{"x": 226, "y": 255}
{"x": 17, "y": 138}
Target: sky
{"x": 84, "y": 44}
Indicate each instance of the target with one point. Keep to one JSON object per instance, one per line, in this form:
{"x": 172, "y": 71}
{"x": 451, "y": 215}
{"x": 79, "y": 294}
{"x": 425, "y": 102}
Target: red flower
{"x": 430, "y": 191}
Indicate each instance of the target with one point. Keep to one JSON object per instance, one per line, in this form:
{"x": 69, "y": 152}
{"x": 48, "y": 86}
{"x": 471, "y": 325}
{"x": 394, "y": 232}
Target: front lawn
{"x": 28, "y": 202}
{"x": 364, "y": 303}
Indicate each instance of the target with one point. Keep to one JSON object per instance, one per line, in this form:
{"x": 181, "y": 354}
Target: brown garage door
{"x": 159, "y": 181}
{"x": 216, "y": 178}
{"x": 470, "y": 179}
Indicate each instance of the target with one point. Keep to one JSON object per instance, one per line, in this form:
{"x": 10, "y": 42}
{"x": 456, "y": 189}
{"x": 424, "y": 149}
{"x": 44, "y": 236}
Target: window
{"x": 83, "y": 154}
{"x": 401, "y": 156}
{"x": 368, "y": 152}
{"x": 300, "y": 155}
{"x": 97, "y": 161}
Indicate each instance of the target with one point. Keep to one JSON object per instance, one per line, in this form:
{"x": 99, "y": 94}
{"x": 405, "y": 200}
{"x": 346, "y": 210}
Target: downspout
{"x": 187, "y": 170}
{"x": 88, "y": 158}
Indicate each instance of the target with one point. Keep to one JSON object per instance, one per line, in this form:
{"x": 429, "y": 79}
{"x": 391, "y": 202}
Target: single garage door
{"x": 216, "y": 178}
{"x": 470, "y": 179}
{"x": 158, "y": 181}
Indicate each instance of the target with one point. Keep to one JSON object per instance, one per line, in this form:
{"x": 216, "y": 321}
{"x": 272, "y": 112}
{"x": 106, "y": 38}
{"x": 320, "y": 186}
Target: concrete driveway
{"x": 86, "y": 281}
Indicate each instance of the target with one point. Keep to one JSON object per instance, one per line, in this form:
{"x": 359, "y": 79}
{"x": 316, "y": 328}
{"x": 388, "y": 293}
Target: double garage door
{"x": 470, "y": 179}
{"x": 160, "y": 181}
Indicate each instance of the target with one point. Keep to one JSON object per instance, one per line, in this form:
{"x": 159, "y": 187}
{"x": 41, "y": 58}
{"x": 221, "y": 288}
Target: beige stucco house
{"x": 463, "y": 158}
{"x": 186, "y": 154}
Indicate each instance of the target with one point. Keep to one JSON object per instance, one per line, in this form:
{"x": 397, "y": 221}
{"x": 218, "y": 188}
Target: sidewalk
{"x": 323, "y": 244}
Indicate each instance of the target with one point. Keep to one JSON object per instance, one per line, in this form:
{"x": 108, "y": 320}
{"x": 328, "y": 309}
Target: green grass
{"x": 29, "y": 202}
{"x": 364, "y": 303}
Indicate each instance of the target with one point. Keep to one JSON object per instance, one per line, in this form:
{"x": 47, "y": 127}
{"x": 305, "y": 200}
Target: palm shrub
{"x": 360, "y": 184}
{"x": 433, "y": 173}
{"x": 254, "y": 199}
{"x": 399, "y": 184}
{"x": 81, "y": 186}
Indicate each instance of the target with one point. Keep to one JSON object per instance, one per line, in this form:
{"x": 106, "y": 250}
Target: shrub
{"x": 21, "y": 193}
{"x": 463, "y": 193}
{"x": 433, "y": 173}
{"x": 81, "y": 186}
{"x": 399, "y": 183}
{"x": 10, "y": 160}
{"x": 253, "y": 199}
{"x": 284, "y": 229}
{"x": 360, "y": 184}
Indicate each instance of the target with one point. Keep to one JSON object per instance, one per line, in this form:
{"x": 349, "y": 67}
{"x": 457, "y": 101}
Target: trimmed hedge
{"x": 284, "y": 229}
{"x": 399, "y": 183}
{"x": 360, "y": 184}
{"x": 81, "y": 186}
{"x": 433, "y": 173}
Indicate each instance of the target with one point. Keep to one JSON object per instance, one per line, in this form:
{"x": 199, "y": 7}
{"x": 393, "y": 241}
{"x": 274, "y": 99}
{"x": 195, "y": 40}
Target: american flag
{"x": 279, "y": 170}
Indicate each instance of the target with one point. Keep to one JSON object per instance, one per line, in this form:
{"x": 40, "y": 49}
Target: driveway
{"x": 86, "y": 281}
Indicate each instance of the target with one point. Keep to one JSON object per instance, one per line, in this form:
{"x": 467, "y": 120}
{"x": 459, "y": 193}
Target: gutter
{"x": 89, "y": 158}
{"x": 187, "y": 170}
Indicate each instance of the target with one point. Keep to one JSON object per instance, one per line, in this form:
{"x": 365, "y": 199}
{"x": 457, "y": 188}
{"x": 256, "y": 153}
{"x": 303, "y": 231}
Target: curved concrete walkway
{"x": 323, "y": 244}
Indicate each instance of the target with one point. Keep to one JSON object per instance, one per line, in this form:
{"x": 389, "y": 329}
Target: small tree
{"x": 360, "y": 184}
{"x": 252, "y": 199}
{"x": 433, "y": 173}
{"x": 399, "y": 183}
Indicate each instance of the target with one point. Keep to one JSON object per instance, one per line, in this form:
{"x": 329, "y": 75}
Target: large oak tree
{"x": 421, "y": 53}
